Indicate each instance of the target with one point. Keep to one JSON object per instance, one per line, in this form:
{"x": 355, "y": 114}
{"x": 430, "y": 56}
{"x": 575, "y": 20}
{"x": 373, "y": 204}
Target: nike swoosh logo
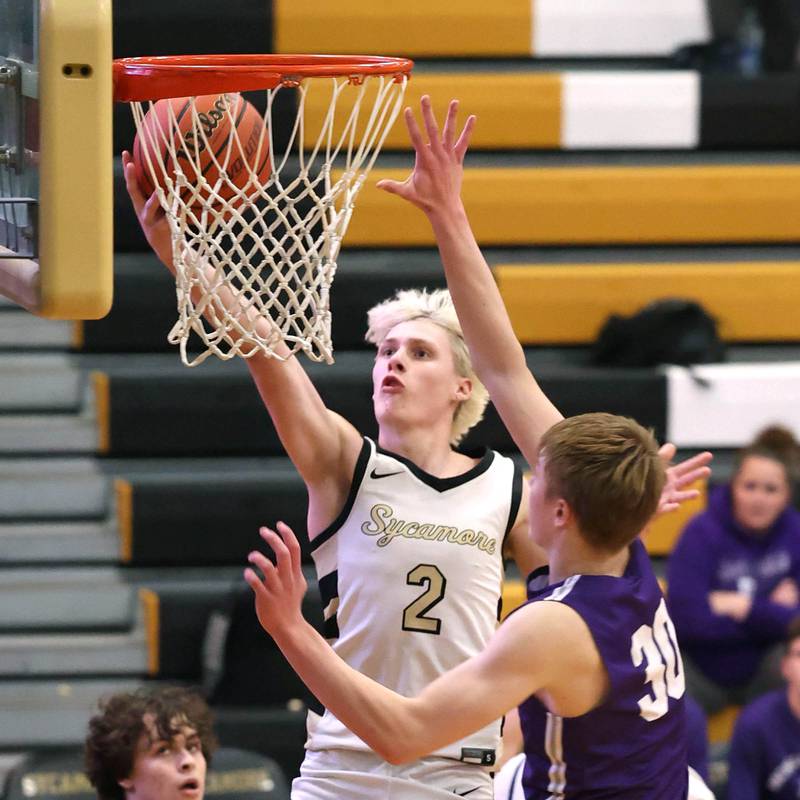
{"x": 469, "y": 791}
{"x": 376, "y": 474}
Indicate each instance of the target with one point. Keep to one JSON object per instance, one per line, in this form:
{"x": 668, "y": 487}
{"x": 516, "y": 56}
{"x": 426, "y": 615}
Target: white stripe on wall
{"x": 739, "y": 401}
{"x": 616, "y": 27}
{"x": 630, "y": 110}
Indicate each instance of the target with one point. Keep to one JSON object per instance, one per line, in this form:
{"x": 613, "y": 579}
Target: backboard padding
{"x": 66, "y": 96}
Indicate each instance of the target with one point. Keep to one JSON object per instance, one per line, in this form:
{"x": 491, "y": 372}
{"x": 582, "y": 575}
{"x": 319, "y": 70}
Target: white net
{"x": 257, "y": 222}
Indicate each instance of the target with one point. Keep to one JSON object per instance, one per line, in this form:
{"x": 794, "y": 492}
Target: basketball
{"x": 204, "y": 145}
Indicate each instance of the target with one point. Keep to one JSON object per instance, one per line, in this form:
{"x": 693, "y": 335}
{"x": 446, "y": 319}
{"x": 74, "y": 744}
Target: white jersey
{"x": 411, "y": 575}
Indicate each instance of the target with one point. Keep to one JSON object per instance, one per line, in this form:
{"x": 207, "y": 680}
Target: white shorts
{"x": 697, "y": 787}
{"x": 354, "y": 775}
{"x": 508, "y": 782}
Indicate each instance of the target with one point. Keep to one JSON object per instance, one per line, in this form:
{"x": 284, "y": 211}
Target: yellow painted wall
{"x": 568, "y": 303}
{"x": 434, "y": 28}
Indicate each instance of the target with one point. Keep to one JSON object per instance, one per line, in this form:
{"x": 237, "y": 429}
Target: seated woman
{"x": 734, "y": 577}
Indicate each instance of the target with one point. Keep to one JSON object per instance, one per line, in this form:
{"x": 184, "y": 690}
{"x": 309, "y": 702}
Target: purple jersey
{"x": 632, "y": 746}
{"x": 765, "y": 751}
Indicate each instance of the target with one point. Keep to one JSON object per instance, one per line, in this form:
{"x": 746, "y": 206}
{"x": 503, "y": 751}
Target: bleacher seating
{"x": 600, "y": 178}
{"x": 473, "y": 29}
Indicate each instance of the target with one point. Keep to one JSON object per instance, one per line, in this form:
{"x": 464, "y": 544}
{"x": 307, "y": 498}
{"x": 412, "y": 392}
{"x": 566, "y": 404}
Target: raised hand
{"x": 151, "y": 216}
{"x": 435, "y": 181}
{"x": 279, "y": 593}
{"x": 679, "y": 476}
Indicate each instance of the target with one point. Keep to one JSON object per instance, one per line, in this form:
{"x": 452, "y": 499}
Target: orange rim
{"x": 159, "y": 77}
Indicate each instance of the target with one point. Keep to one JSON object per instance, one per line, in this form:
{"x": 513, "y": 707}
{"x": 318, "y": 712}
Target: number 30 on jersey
{"x": 657, "y": 646}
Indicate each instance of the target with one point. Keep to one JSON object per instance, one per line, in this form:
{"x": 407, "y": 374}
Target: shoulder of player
{"x": 544, "y": 612}
{"x": 538, "y": 647}
{"x": 549, "y": 626}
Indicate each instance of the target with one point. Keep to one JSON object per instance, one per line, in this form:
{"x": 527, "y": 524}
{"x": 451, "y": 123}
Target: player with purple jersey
{"x": 765, "y": 749}
{"x": 634, "y": 743}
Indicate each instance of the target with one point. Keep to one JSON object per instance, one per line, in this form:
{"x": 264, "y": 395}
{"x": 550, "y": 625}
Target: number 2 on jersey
{"x": 414, "y": 618}
{"x": 658, "y": 647}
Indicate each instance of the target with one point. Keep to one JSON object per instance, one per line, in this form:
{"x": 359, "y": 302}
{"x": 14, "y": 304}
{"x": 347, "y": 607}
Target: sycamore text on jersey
{"x": 384, "y": 524}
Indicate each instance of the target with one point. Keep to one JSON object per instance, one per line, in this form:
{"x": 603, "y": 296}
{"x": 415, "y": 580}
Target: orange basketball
{"x": 208, "y": 142}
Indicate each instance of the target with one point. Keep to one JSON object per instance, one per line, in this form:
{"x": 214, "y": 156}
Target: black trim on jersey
{"x": 443, "y": 484}
{"x": 330, "y": 628}
{"x": 355, "y": 485}
{"x": 536, "y": 573}
{"x": 314, "y": 705}
{"x": 516, "y": 499}
{"x": 329, "y": 587}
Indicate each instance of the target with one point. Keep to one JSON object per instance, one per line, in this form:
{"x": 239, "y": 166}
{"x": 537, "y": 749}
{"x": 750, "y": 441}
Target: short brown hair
{"x": 114, "y": 733}
{"x": 608, "y": 470}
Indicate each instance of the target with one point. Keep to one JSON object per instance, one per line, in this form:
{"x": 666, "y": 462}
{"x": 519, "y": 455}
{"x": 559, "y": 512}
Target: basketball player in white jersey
{"x": 566, "y": 656}
{"x": 407, "y": 534}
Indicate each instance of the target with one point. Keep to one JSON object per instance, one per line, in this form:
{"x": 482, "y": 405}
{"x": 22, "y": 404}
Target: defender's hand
{"x": 435, "y": 181}
{"x": 679, "y": 476}
{"x": 279, "y": 593}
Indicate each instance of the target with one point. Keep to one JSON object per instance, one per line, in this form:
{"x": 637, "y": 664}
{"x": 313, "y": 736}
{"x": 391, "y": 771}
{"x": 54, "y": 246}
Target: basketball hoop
{"x": 256, "y": 233}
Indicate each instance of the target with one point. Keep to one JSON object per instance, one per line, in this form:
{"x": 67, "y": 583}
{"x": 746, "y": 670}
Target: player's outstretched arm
{"x": 434, "y": 186}
{"x": 321, "y": 444}
{"x": 463, "y": 700}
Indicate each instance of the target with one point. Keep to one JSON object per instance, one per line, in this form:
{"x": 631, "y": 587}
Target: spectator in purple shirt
{"x": 734, "y": 577}
{"x": 765, "y": 750}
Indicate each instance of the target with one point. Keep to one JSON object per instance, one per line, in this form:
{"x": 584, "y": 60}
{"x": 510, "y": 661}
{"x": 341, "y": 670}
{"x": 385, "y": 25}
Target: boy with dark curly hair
{"x": 150, "y": 745}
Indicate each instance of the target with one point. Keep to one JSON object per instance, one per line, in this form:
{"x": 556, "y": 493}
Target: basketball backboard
{"x": 56, "y": 176}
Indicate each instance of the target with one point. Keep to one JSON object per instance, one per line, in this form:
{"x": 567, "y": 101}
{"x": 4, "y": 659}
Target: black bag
{"x": 671, "y": 331}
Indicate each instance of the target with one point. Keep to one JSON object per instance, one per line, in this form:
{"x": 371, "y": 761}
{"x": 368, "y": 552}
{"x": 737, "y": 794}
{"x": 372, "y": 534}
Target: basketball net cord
{"x": 261, "y": 256}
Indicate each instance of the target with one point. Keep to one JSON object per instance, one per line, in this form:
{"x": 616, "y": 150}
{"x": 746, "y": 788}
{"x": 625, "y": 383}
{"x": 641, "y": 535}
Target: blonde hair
{"x": 608, "y": 470}
{"x": 436, "y": 306}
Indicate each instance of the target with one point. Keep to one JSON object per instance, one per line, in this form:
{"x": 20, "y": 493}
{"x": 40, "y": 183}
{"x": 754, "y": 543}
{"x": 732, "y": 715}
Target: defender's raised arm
{"x": 434, "y": 186}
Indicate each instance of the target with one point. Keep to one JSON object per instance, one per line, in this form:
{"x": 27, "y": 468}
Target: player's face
{"x": 790, "y": 667}
{"x": 167, "y": 770}
{"x": 414, "y": 379}
{"x": 760, "y": 493}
